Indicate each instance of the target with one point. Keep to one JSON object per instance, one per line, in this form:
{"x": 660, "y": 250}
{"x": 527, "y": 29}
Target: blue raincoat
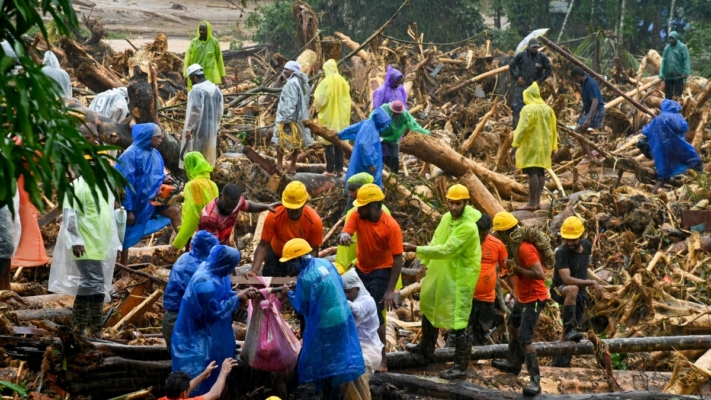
{"x": 367, "y": 150}
{"x": 672, "y": 154}
{"x": 203, "y": 331}
{"x": 331, "y": 347}
{"x": 143, "y": 168}
{"x": 185, "y": 267}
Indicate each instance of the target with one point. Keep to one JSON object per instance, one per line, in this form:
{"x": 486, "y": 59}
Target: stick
{"x": 138, "y": 311}
{"x": 132, "y": 45}
{"x": 631, "y": 93}
{"x": 475, "y": 79}
{"x": 480, "y": 127}
{"x": 655, "y": 260}
{"x": 333, "y": 229}
{"x": 142, "y": 274}
{"x": 557, "y": 181}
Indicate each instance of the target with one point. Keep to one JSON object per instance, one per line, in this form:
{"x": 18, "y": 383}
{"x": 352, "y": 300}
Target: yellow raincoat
{"x": 208, "y": 54}
{"x": 536, "y": 135}
{"x": 198, "y": 192}
{"x": 332, "y": 99}
{"x": 453, "y": 261}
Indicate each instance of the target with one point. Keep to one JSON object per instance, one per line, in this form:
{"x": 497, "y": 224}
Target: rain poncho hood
{"x": 385, "y": 93}
{"x": 185, "y": 267}
{"x": 536, "y": 135}
{"x": 112, "y": 104}
{"x": 198, "y": 192}
{"x": 331, "y": 348}
{"x": 53, "y": 70}
{"x": 203, "y": 331}
{"x": 10, "y": 228}
{"x": 204, "y": 112}
{"x": 367, "y": 150}
{"x": 453, "y": 260}
{"x": 332, "y": 99}
{"x": 208, "y": 54}
{"x": 143, "y": 168}
{"x": 675, "y": 60}
{"x": 9, "y": 51}
{"x": 294, "y": 107}
{"x": 92, "y": 225}
{"x": 672, "y": 154}
{"x": 365, "y": 314}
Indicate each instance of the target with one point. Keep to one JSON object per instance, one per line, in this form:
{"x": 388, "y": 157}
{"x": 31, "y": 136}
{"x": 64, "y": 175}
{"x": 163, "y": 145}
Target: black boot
{"x": 534, "y": 388}
{"x": 462, "y": 353}
{"x": 451, "y": 339}
{"x": 427, "y": 341}
{"x": 513, "y": 362}
{"x": 80, "y": 315}
{"x": 569, "y": 324}
{"x": 96, "y": 319}
{"x": 562, "y": 361}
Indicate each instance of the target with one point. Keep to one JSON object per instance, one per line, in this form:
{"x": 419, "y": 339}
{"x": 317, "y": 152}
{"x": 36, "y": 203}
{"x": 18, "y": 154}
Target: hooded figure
{"x": 53, "y": 70}
{"x": 390, "y": 90}
{"x": 203, "y": 331}
{"x": 112, "y": 104}
{"x": 536, "y": 135}
{"x": 180, "y": 275}
{"x": 365, "y": 314}
{"x": 676, "y": 66}
{"x": 367, "y": 153}
{"x": 332, "y": 101}
{"x": 198, "y": 192}
{"x": 294, "y": 106}
{"x": 204, "y": 112}
{"x": 672, "y": 154}
{"x": 208, "y": 54}
{"x": 143, "y": 168}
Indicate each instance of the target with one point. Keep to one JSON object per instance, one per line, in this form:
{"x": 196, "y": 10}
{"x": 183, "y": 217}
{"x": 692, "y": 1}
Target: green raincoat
{"x": 675, "y": 61}
{"x": 198, "y": 192}
{"x": 208, "y": 54}
{"x": 453, "y": 261}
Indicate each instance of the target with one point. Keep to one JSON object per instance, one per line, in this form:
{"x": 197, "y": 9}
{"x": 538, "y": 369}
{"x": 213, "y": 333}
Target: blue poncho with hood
{"x": 672, "y": 154}
{"x": 185, "y": 267}
{"x": 386, "y": 93}
{"x": 203, "y": 331}
{"x": 331, "y": 347}
{"x": 143, "y": 168}
{"x": 367, "y": 151}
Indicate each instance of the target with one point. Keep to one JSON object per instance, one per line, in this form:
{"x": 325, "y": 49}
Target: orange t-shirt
{"x": 377, "y": 242}
{"x": 279, "y": 228}
{"x": 493, "y": 252}
{"x": 529, "y": 290}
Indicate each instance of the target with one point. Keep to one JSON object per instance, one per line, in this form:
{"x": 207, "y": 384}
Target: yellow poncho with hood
{"x": 332, "y": 99}
{"x": 198, "y": 192}
{"x": 208, "y": 54}
{"x": 453, "y": 260}
{"x": 536, "y": 135}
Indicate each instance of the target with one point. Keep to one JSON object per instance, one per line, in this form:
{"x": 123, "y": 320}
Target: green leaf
{"x": 14, "y": 387}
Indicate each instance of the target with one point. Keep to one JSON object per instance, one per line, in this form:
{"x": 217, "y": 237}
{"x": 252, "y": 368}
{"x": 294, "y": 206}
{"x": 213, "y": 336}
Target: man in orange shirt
{"x": 293, "y": 219}
{"x": 378, "y": 251}
{"x": 532, "y": 295}
{"x": 493, "y": 252}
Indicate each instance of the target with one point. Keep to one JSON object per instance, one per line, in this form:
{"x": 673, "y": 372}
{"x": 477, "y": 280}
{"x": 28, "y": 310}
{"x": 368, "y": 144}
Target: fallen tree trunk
{"x": 331, "y": 136}
{"x": 87, "y": 70}
{"x": 620, "y": 99}
{"x": 478, "y": 192}
{"x": 479, "y": 127}
{"x": 475, "y": 79}
{"x": 45, "y": 313}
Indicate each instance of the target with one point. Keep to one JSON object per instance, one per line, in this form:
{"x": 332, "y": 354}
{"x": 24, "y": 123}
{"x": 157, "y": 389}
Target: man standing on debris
{"x": 183, "y": 269}
{"x": 367, "y": 153}
{"x": 402, "y": 121}
{"x": 220, "y": 216}
{"x": 331, "y": 354}
{"x": 676, "y": 66}
{"x": 293, "y": 219}
{"x": 531, "y": 298}
{"x": 570, "y": 281}
{"x": 290, "y": 135}
{"x": 527, "y": 67}
{"x": 332, "y": 101}
{"x": 453, "y": 260}
{"x": 379, "y": 251}
{"x": 666, "y": 135}
{"x": 202, "y": 119}
{"x": 390, "y": 90}
{"x": 205, "y": 51}
{"x": 53, "y": 70}
{"x": 535, "y": 139}
{"x": 593, "y": 105}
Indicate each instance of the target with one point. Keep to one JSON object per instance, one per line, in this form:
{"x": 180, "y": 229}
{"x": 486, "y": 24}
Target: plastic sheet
{"x": 199, "y": 191}
{"x": 536, "y": 134}
{"x": 294, "y": 107}
{"x": 386, "y": 93}
{"x": 112, "y": 104}
{"x": 204, "y": 113}
{"x": 208, "y": 54}
{"x": 367, "y": 151}
{"x": 185, "y": 267}
{"x": 53, "y": 70}
{"x": 30, "y": 250}
{"x": 10, "y": 228}
{"x": 332, "y": 99}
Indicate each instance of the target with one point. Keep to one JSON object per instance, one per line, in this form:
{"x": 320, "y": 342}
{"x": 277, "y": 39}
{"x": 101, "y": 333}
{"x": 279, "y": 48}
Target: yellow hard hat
{"x": 572, "y": 228}
{"x": 504, "y": 221}
{"x": 294, "y": 195}
{"x": 273, "y": 398}
{"x": 339, "y": 268}
{"x": 458, "y": 192}
{"x": 367, "y": 194}
{"x": 295, "y": 248}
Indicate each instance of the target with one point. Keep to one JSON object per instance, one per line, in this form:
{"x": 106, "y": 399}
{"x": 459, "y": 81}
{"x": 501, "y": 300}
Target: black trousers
{"x": 392, "y": 161}
{"x": 334, "y": 158}
{"x": 673, "y": 87}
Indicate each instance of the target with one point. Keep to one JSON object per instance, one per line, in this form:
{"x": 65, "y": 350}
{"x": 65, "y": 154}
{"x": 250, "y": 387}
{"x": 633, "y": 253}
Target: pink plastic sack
{"x": 270, "y": 345}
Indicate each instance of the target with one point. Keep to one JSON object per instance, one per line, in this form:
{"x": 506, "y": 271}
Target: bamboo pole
{"x": 480, "y": 127}
{"x": 475, "y": 79}
{"x": 138, "y": 311}
{"x": 631, "y": 93}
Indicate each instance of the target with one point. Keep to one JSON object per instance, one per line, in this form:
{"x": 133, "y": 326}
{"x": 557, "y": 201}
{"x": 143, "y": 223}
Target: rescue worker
{"x": 205, "y": 51}
{"x": 203, "y": 115}
{"x": 527, "y": 67}
{"x": 379, "y": 251}
{"x": 365, "y": 313}
{"x": 180, "y": 274}
{"x": 331, "y": 354}
{"x": 112, "y": 104}
{"x": 391, "y": 89}
{"x": 570, "y": 279}
{"x": 179, "y": 385}
{"x": 54, "y": 70}
{"x": 453, "y": 260}
{"x": 531, "y": 298}
{"x": 676, "y": 66}
{"x": 290, "y": 135}
{"x": 402, "y": 122}
{"x": 535, "y": 140}
{"x": 367, "y": 151}
{"x": 293, "y": 219}
{"x": 332, "y": 102}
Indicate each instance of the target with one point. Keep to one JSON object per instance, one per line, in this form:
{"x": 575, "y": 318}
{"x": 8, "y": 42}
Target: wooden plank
{"x": 48, "y": 217}
{"x": 134, "y": 299}
{"x": 260, "y": 227}
{"x": 139, "y": 311}
{"x": 259, "y": 160}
